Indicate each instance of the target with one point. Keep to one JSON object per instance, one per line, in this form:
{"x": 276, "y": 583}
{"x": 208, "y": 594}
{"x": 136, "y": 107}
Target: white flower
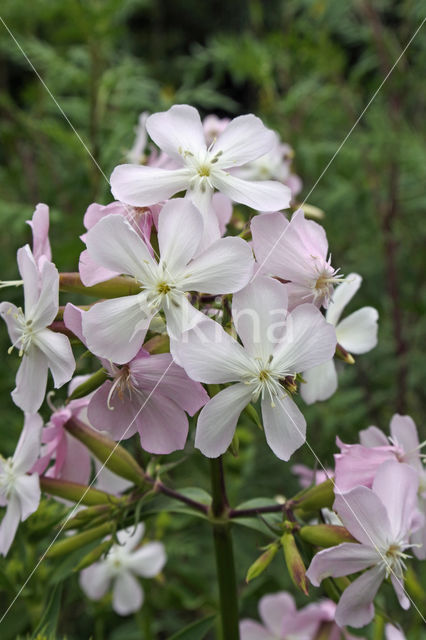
{"x": 357, "y": 333}
{"x": 40, "y": 348}
{"x": 123, "y": 562}
{"x": 20, "y": 492}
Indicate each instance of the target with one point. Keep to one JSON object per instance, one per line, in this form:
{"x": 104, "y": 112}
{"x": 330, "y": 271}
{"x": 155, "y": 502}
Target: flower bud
{"x": 86, "y": 516}
{"x": 89, "y": 385}
{"x": 318, "y": 497}
{"x": 344, "y": 355}
{"x": 94, "y": 555}
{"x": 114, "y": 456}
{"x": 325, "y": 535}
{"x": 64, "y": 547}
{"x": 262, "y": 561}
{"x": 294, "y": 562}
{"x": 77, "y": 492}
{"x": 113, "y": 288}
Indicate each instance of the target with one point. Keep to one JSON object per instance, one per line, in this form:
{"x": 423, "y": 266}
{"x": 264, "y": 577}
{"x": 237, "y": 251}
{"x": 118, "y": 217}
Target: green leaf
{"x": 196, "y": 630}
{"x": 49, "y": 619}
{"x": 256, "y": 522}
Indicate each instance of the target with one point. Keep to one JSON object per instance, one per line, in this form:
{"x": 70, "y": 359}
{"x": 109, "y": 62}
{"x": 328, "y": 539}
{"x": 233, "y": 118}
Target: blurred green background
{"x": 307, "y": 68}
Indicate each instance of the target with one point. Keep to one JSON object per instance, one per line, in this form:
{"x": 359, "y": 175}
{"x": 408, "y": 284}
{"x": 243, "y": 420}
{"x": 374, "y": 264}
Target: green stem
{"x": 224, "y": 553}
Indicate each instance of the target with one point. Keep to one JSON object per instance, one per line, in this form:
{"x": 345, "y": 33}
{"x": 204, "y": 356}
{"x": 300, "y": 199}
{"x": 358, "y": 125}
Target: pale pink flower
{"x": 39, "y": 347}
{"x": 282, "y": 621}
{"x": 295, "y": 251}
{"x": 357, "y": 333}
{"x": 124, "y": 564}
{"x": 179, "y": 133}
{"x": 308, "y": 477}
{"x": 40, "y": 228}
{"x": 19, "y": 491}
{"x": 276, "y": 345}
{"x": 382, "y": 519}
{"x": 213, "y": 127}
{"x": 115, "y": 329}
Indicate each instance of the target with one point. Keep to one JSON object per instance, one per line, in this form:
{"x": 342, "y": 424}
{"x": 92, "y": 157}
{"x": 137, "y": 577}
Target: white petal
{"x": 284, "y": 424}
{"x": 58, "y": 352}
{"x": 142, "y": 186}
{"x": 9, "y": 313}
{"x": 342, "y": 294}
{"x": 358, "y": 332}
{"x": 180, "y": 316}
{"x": 222, "y": 207}
{"x": 343, "y": 560}
{"x": 218, "y": 419}
{"x": 274, "y": 608}
{"x": 27, "y": 488}
{"x": 177, "y": 130}
{"x": 148, "y": 560}
{"x": 28, "y": 447}
{"x": 95, "y": 580}
{"x": 309, "y": 340}
{"x": 355, "y": 607}
{"x": 180, "y": 228}
{"x": 225, "y": 267}
{"x": 46, "y": 307}
{"x": 9, "y": 525}
{"x": 244, "y": 139}
{"x": 30, "y": 275}
{"x": 114, "y": 244}
{"x": 364, "y": 515}
{"x": 129, "y": 538}
{"x": 209, "y": 354}
{"x": 31, "y": 381}
{"x": 259, "y": 315}
{"x": 115, "y": 329}
{"x": 263, "y": 195}
{"x": 320, "y": 383}
{"x": 127, "y": 594}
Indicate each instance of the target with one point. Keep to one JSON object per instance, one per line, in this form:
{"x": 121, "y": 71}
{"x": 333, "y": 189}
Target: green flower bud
{"x": 325, "y": 535}
{"x": 262, "y": 561}
{"x": 294, "y": 562}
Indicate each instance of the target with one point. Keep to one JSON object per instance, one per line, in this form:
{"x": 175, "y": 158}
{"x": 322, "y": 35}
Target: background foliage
{"x": 308, "y": 68}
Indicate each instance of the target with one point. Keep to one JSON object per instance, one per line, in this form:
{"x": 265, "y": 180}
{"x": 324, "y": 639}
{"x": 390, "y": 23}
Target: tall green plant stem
{"x": 224, "y": 553}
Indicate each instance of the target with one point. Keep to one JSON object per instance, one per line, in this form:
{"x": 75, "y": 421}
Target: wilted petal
{"x": 342, "y": 294}
{"x": 284, "y": 424}
{"x": 355, "y": 607}
{"x": 320, "y": 383}
{"x": 218, "y": 419}
{"x": 263, "y": 195}
{"x": 177, "y": 131}
{"x": 142, "y": 186}
{"x": 148, "y": 560}
{"x": 343, "y": 560}
{"x": 357, "y": 333}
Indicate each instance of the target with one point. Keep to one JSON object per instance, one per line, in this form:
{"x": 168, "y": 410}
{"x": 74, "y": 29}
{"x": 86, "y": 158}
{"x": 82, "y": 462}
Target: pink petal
{"x": 120, "y": 421}
{"x": 40, "y": 228}
{"x": 142, "y": 186}
{"x": 163, "y": 425}
{"x": 251, "y": 630}
{"x": 358, "y": 465}
{"x": 274, "y": 608}
{"x": 91, "y": 273}
{"x": 364, "y": 515}
{"x": 343, "y": 560}
{"x": 355, "y": 607}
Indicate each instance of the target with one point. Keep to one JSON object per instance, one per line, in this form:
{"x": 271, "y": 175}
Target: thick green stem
{"x": 224, "y": 554}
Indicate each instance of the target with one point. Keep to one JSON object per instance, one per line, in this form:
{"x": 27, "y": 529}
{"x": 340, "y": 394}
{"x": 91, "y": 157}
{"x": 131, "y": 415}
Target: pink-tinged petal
{"x": 148, "y": 560}
{"x": 218, "y": 419}
{"x": 273, "y": 609}
{"x": 358, "y": 465}
{"x": 171, "y": 380}
{"x": 396, "y": 485}
{"x": 355, "y": 607}
{"x": 31, "y": 381}
{"x": 284, "y": 424}
{"x": 259, "y": 314}
{"x": 46, "y": 308}
{"x": 31, "y": 277}
{"x": 27, "y": 488}
{"x": 73, "y": 320}
{"x": 209, "y": 354}
{"x": 343, "y": 560}
{"x": 309, "y": 340}
{"x": 177, "y": 131}
{"x": 9, "y": 313}
{"x": 115, "y": 415}
{"x": 57, "y": 349}
{"x": 95, "y": 580}
{"x": 320, "y": 383}
{"x": 40, "y": 228}
{"x": 28, "y": 447}
{"x": 222, "y": 207}
{"x": 115, "y": 329}
{"x": 95, "y": 212}
{"x": 342, "y": 295}
{"x": 373, "y": 437}
{"x": 77, "y": 465}
{"x": 142, "y": 186}
{"x": 392, "y": 633}
{"x": 263, "y": 195}
{"x": 244, "y": 139}
{"x": 114, "y": 244}
{"x": 404, "y": 434}
{"x": 180, "y": 228}
{"x": 91, "y": 273}
{"x": 127, "y": 594}
{"x": 163, "y": 426}
{"x": 398, "y": 585}
{"x": 364, "y": 515}
{"x": 225, "y": 267}
{"x": 9, "y": 524}
{"x": 251, "y": 630}
{"x": 357, "y": 333}
{"x": 266, "y": 231}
